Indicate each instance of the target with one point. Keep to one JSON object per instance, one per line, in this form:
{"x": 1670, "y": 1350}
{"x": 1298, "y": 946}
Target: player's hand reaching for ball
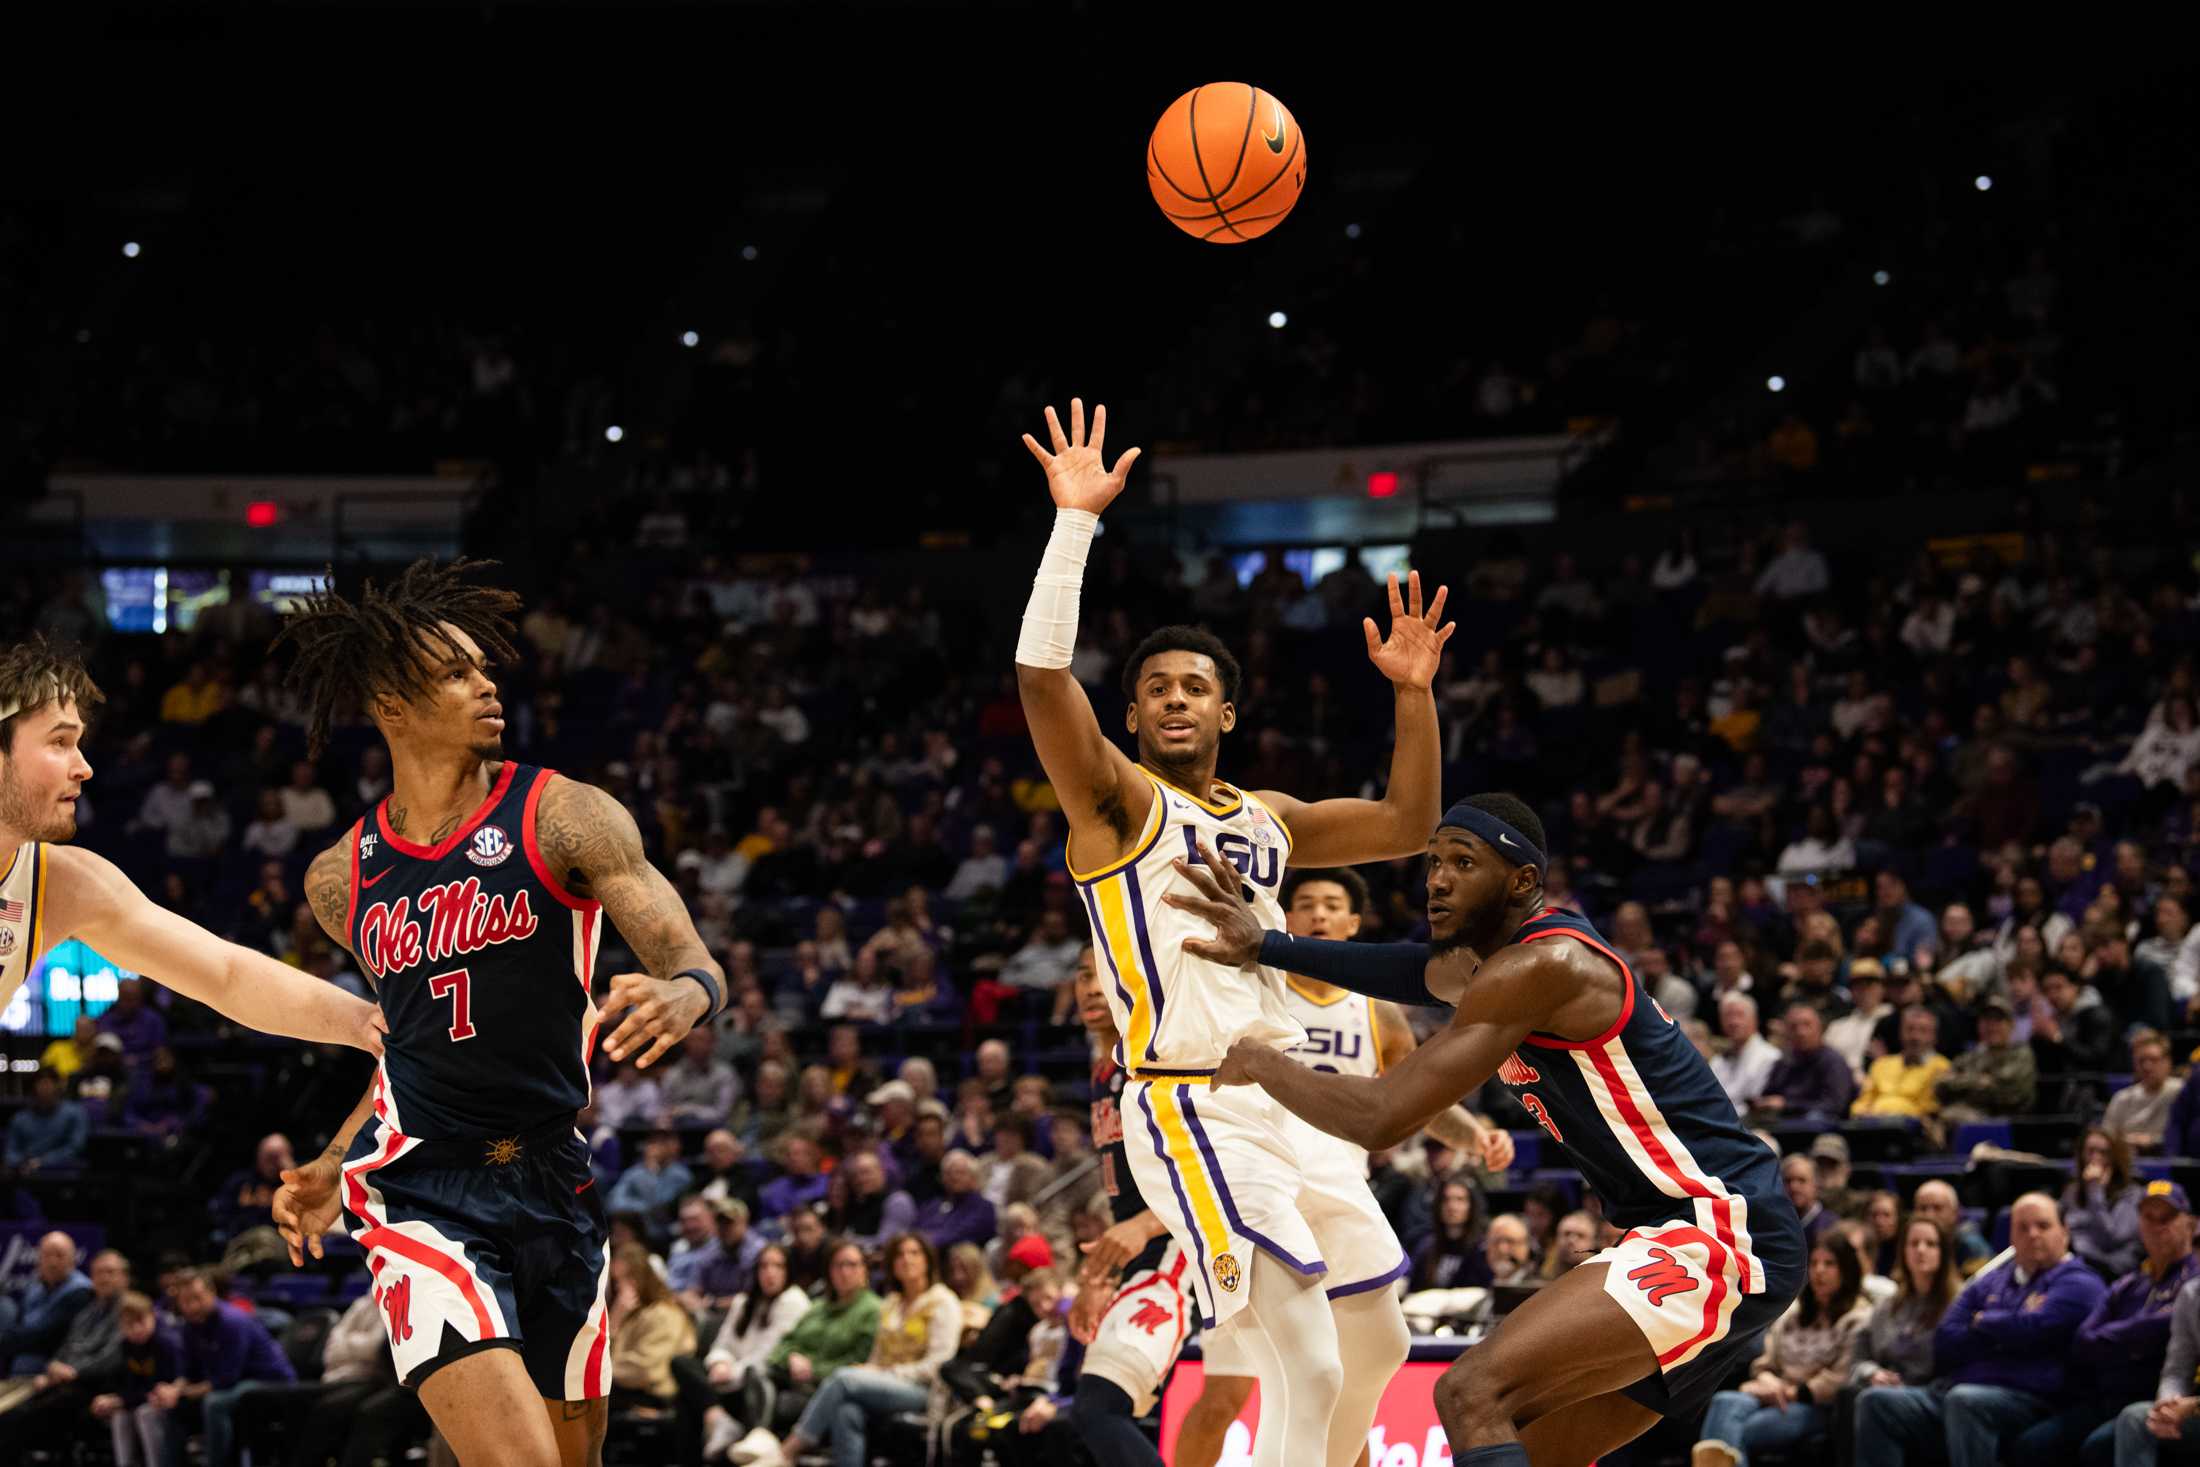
{"x": 1236, "y": 943}
{"x": 1077, "y": 475}
{"x": 306, "y": 1206}
{"x": 659, "y": 1013}
{"x": 1413, "y": 651}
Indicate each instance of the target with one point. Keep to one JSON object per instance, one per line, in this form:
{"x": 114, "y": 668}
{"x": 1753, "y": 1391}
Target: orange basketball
{"x": 1226, "y": 162}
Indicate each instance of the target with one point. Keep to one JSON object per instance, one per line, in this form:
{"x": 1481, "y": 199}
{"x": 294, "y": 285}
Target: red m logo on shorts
{"x": 1150, "y": 1316}
{"x": 1664, "y": 1278}
{"x": 397, "y": 1303}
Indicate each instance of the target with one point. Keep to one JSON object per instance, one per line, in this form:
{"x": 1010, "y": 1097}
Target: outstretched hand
{"x": 1238, "y": 932}
{"x": 1077, "y": 475}
{"x": 1413, "y": 651}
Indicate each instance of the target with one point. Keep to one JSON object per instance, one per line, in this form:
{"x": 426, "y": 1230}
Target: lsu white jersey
{"x": 1177, "y": 1013}
{"x": 1340, "y": 1028}
{"x": 22, "y": 914}
{"x": 1341, "y": 1038}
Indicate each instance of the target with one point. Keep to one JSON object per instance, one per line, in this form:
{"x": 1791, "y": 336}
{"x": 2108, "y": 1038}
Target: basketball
{"x": 1226, "y": 162}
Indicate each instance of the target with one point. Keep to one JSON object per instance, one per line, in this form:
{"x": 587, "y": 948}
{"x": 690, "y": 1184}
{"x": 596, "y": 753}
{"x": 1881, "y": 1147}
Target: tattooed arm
{"x": 591, "y": 843}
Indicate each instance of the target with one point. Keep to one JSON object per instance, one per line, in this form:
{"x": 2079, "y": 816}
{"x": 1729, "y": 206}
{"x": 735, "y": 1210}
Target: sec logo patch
{"x": 1227, "y": 1273}
{"x": 489, "y": 847}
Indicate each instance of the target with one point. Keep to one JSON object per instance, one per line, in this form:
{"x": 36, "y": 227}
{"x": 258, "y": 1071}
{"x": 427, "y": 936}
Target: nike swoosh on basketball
{"x": 367, "y": 881}
{"x": 1274, "y": 140}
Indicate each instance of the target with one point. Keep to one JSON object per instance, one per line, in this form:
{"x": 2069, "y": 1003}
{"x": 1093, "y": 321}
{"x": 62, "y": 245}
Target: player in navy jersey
{"x": 1711, "y": 1251}
{"x": 474, "y": 897}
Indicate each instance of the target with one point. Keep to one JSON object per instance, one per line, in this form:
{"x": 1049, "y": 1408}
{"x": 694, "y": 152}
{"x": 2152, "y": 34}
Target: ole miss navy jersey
{"x": 1124, "y": 1198}
{"x": 1640, "y": 1113}
{"x": 482, "y": 961}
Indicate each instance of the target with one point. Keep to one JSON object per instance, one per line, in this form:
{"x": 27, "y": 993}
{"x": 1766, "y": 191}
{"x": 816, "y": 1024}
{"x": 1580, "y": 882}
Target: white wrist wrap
{"x": 1049, "y": 636}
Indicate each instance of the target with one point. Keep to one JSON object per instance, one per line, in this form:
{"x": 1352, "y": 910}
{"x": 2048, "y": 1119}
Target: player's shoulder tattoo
{"x": 328, "y": 889}
{"x": 584, "y": 833}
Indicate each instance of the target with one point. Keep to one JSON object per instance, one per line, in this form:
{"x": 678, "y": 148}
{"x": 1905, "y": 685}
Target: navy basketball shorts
{"x": 486, "y": 1244}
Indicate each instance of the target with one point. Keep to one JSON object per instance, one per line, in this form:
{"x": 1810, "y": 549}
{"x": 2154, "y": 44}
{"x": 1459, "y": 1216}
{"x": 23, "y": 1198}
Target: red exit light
{"x": 1382, "y": 484}
{"x": 261, "y": 513}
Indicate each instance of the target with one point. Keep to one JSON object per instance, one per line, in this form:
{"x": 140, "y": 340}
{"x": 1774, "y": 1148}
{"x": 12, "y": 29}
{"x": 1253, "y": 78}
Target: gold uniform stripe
{"x": 38, "y": 901}
{"x": 1109, "y": 897}
{"x": 1176, "y": 1139}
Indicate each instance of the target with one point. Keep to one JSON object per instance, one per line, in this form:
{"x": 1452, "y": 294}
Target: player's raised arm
{"x": 1512, "y": 995}
{"x": 1099, "y": 788}
{"x": 95, "y": 902}
{"x": 590, "y": 840}
{"x": 1349, "y": 832}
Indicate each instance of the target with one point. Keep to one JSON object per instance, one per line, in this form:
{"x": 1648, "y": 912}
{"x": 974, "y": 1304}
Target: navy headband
{"x": 1509, "y": 843}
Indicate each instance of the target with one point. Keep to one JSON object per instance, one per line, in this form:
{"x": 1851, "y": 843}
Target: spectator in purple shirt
{"x": 960, "y": 1214}
{"x": 2121, "y": 1345}
{"x": 799, "y": 1183}
{"x": 227, "y": 1354}
{"x": 135, "y": 1022}
{"x": 2000, "y": 1355}
{"x": 1812, "y": 1081}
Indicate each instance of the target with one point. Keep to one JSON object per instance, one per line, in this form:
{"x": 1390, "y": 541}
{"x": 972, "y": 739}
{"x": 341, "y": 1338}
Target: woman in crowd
{"x": 1788, "y": 1398}
{"x": 757, "y": 1322}
{"x": 919, "y": 1330}
{"x": 1895, "y": 1347}
{"x": 806, "y": 1247}
{"x": 2101, "y": 1205}
{"x": 972, "y": 1280}
{"x": 648, "y": 1328}
{"x": 1452, "y": 1256}
{"x": 1883, "y": 1215}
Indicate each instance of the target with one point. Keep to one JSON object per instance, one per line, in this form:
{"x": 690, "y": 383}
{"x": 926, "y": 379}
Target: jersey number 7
{"x": 455, "y": 984}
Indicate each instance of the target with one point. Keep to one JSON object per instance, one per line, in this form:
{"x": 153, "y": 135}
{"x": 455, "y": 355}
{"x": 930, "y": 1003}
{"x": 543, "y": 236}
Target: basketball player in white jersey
{"x": 1219, "y": 1167}
{"x": 1349, "y": 1034}
{"x": 50, "y": 892}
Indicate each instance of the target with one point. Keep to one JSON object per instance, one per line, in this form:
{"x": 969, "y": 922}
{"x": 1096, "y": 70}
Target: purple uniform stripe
{"x": 1099, "y": 937}
{"x": 1229, "y": 1203}
{"x": 1137, "y": 900}
{"x": 1184, "y": 1203}
{"x": 1404, "y": 1266}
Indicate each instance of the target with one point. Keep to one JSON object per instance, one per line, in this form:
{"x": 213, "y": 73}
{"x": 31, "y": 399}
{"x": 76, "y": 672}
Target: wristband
{"x": 1397, "y": 971}
{"x": 711, "y": 990}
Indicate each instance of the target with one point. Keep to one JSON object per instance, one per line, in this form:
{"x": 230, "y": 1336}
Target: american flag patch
{"x": 10, "y": 911}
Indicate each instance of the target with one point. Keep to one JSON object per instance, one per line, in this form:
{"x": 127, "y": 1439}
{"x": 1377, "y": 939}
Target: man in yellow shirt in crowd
{"x": 1902, "y": 1084}
{"x": 66, "y": 1056}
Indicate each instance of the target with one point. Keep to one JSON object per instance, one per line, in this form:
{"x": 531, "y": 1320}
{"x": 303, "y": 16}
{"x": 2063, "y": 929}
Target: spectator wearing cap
{"x": 1829, "y": 1156}
{"x": 1850, "y": 1036}
{"x": 1903, "y": 1084}
{"x": 894, "y": 1114}
{"x": 2170, "y": 1413}
{"x": 2001, "y": 1355}
{"x": 653, "y": 1186}
{"x": 134, "y": 1021}
{"x": 2121, "y": 1347}
{"x": 1997, "y": 1077}
{"x": 1021, "y": 1259}
{"x": 1746, "y": 1057}
{"x": 739, "y": 1245}
{"x": 2140, "y": 1111}
{"x": 1811, "y": 1081}
{"x": 960, "y": 1214}
{"x": 1811, "y": 980}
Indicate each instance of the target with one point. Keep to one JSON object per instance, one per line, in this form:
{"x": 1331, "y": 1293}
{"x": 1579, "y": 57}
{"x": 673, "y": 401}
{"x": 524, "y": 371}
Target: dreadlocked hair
{"x": 350, "y": 653}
